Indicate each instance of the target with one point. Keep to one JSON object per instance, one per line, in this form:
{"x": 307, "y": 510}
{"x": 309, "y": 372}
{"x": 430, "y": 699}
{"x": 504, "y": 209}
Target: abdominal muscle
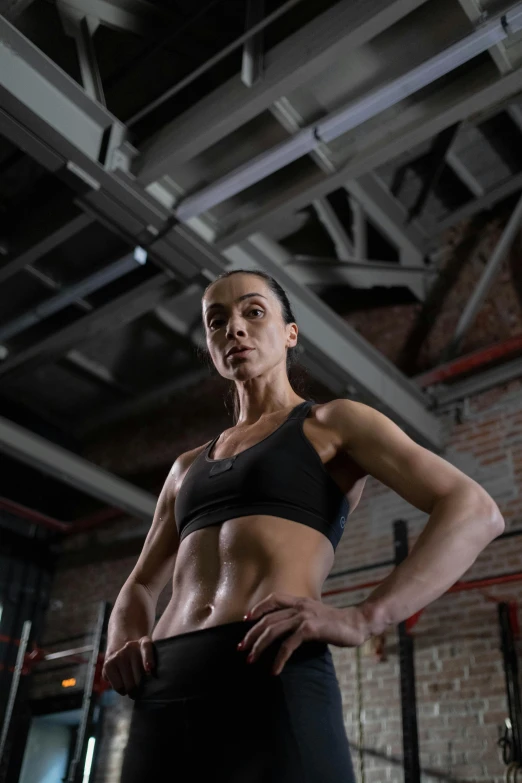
{"x": 224, "y": 570}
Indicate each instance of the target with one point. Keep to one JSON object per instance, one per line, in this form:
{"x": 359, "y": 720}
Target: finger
{"x": 114, "y": 677}
{"x": 147, "y": 653}
{"x": 285, "y": 651}
{"x": 126, "y": 673}
{"x": 271, "y": 634}
{"x": 270, "y": 603}
{"x": 259, "y": 628}
{"x": 136, "y": 667}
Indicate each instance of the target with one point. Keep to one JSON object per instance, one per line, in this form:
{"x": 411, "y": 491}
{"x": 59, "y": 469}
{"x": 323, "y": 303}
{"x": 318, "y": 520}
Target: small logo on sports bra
{"x": 342, "y": 521}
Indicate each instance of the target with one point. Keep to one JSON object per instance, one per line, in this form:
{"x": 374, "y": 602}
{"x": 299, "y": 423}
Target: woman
{"x": 246, "y": 527}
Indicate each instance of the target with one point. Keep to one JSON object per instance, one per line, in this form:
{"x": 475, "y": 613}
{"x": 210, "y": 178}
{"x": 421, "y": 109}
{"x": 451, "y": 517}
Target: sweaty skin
{"x": 221, "y": 571}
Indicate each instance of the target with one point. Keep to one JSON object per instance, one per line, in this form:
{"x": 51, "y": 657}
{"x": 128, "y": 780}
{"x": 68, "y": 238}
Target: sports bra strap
{"x": 301, "y": 412}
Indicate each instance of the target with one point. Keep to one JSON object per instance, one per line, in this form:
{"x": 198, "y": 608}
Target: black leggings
{"x": 207, "y": 715}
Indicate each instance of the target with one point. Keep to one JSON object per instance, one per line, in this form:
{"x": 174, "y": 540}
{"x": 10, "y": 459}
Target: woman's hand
{"x": 308, "y": 619}
{"x": 124, "y": 668}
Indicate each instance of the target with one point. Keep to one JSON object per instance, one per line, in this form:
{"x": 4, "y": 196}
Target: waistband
{"x": 198, "y": 662}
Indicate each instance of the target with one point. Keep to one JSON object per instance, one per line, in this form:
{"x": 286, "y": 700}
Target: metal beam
{"x": 486, "y": 280}
{"x": 253, "y": 54}
{"x": 68, "y": 467}
{"x": 388, "y": 213}
{"x": 122, "y": 200}
{"x": 330, "y": 271}
{"x": 287, "y": 65}
{"x": 11, "y": 9}
{"x": 444, "y": 394}
{"x": 464, "y": 174}
{"x": 49, "y": 114}
{"x": 113, "y": 315}
{"x": 487, "y": 201}
{"x": 40, "y": 240}
{"x": 352, "y": 115}
{"x": 499, "y": 54}
{"x": 335, "y": 352}
{"x": 463, "y": 97}
{"x": 134, "y": 16}
{"x": 91, "y": 77}
{"x": 328, "y": 217}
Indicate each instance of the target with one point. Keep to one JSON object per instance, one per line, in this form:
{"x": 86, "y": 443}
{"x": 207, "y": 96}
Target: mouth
{"x": 241, "y": 353}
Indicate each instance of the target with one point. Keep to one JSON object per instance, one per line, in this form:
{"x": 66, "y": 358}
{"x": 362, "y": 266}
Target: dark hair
{"x": 288, "y": 318}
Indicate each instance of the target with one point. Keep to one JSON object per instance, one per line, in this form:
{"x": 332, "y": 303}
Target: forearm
{"x": 459, "y": 528}
{"x": 132, "y": 617}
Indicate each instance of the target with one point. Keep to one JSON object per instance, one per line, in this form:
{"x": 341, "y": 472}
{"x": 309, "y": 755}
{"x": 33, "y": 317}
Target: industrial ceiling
{"x": 146, "y": 147}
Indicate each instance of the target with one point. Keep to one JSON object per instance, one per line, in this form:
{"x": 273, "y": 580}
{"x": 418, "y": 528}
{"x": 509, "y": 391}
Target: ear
{"x": 292, "y": 331}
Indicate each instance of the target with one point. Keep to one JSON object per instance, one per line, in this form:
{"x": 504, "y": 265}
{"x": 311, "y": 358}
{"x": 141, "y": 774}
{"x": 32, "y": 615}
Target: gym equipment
{"x": 93, "y": 689}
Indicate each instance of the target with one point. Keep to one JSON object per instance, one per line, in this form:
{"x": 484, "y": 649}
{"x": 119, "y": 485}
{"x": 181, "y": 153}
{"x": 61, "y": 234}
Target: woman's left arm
{"x": 463, "y": 519}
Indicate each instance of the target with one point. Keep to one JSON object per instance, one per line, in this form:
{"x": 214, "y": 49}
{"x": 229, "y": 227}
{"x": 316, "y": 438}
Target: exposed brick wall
{"x": 460, "y": 680}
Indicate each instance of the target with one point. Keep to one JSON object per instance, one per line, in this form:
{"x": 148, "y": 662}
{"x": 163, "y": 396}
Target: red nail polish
{"x": 240, "y": 645}
{"x": 250, "y": 658}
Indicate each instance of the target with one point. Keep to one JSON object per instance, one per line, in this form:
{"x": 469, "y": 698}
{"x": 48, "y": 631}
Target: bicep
{"x": 155, "y": 564}
{"x": 385, "y": 452}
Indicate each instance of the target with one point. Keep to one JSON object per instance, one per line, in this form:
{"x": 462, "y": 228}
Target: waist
{"x": 198, "y": 662}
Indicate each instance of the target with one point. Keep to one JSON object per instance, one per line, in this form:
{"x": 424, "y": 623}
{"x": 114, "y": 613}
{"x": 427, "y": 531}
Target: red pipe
{"x": 458, "y": 587}
{"x": 74, "y": 526}
{"x": 470, "y": 362}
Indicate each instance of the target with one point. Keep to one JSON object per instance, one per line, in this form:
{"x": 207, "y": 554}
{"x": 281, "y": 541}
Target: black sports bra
{"x": 281, "y": 476}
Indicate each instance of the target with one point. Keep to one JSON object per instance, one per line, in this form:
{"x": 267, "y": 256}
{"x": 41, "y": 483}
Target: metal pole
{"x": 76, "y": 768}
{"x": 509, "y": 657}
{"x": 476, "y": 300}
{"x": 26, "y": 631}
{"x": 253, "y": 59}
{"x": 410, "y": 738}
{"x": 213, "y": 60}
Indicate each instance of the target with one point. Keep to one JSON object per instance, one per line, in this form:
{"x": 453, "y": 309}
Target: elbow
{"x": 498, "y": 523}
{"x": 494, "y": 520}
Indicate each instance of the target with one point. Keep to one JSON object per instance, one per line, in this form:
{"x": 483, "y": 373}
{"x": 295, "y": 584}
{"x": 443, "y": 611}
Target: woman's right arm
{"x": 129, "y": 646}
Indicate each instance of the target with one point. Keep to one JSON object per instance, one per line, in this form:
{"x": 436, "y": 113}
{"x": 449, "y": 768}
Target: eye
{"x": 215, "y": 321}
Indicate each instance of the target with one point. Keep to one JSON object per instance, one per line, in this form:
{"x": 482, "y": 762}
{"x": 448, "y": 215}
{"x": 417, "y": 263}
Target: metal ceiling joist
{"x": 386, "y": 212}
{"x": 335, "y": 352}
{"x": 49, "y": 115}
{"x": 499, "y": 53}
{"x": 66, "y": 466}
{"x": 13, "y": 8}
{"x": 287, "y": 66}
{"x": 135, "y": 16}
{"x": 350, "y": 116}
{"x": 464, "y": 174}
{"x": 46, "y": 241}
{"x": 464, "y": 97}
{"x": 329, "y": 271}
{"x": 487, "y": 279}
{"x": 31, "y": 86}
{"x": 328, "y": 217}
{"x": 113, "y": 315}
{"x": 488, "y": 200}
{"x": 91, "y": 78}
{"x": 253, "y": 54}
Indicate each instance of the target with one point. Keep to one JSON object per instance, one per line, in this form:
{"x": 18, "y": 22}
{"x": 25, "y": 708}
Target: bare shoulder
{"x": 182, "y": 463}
{"x": 388, "y": 454}
{"x": 345, "y": 418}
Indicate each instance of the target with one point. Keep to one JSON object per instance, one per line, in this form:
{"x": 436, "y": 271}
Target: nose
{"x": 235, "y": 326}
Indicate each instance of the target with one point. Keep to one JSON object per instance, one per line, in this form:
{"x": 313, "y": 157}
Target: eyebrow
{"x": 239, "y": 299}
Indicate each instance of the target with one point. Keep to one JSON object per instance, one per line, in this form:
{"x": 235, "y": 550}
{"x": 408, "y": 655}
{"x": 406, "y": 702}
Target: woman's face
{"x": 241, "y": 310}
